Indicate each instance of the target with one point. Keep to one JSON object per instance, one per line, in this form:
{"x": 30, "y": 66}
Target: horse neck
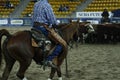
{"x": 69, "y": 30}
{"x": 63, "y": 26}
{"x": 72, "y": 27}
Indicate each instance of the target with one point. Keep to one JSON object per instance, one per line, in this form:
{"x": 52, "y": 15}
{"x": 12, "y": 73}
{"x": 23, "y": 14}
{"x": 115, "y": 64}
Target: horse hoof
{"x": 49, "y": 79}
{"x": 24, "y": 78}
{"x": 60, "y": 78}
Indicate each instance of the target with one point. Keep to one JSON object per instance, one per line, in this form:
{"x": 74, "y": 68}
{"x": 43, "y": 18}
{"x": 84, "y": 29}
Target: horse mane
{"x": 62, "y": 26}
{"x": 68, "y": 25}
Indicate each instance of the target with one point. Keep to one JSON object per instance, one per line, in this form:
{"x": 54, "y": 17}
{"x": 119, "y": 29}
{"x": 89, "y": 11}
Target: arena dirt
{"x": 87, "y": 62}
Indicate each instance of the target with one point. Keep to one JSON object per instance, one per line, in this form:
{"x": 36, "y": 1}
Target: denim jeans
{"x": 57, "y": 49}
{"x": 43, "y": 30}
{"x": 55, "y": 52}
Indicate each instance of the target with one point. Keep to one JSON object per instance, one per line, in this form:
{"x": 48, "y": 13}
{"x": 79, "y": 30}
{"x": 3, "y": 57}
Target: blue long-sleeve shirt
{"x": 43, "y": 13}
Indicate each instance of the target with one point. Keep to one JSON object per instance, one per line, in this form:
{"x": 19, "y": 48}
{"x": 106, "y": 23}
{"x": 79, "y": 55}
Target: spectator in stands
{"x": 105, "y": 13}
{"x": 65, "y": 8}
{"x": 44, "y": 20}
{"x": 9, "y": 4}
{"x": 60, "y": 8}
{"x": 28, "y": 15}
{"x": 105, "y": 16}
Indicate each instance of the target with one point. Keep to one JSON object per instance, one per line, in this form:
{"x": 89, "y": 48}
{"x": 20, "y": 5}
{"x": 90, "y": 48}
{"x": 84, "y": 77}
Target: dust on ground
{"x": 87, "y": 62}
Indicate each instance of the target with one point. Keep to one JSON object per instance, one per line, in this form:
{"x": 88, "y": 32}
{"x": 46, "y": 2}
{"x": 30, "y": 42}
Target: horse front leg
{"x": 53, "y": 70}
{"x": 59, "y": 73}
{"x": 59, "y": 69}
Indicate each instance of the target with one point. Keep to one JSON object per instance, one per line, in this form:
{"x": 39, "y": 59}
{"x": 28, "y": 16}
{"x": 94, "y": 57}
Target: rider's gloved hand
{"x": 54, "y": 25}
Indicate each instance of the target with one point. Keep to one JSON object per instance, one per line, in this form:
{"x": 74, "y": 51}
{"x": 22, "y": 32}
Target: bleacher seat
{"x": 5, "y": 12}
{"x": 55, "y": 5}
{"x": 100, "y": 5}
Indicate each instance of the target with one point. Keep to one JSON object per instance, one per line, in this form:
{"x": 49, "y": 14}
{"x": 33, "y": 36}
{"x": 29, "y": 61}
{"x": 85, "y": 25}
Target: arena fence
{"x": 18, "y": 24}
{"x": 22, "y": 22}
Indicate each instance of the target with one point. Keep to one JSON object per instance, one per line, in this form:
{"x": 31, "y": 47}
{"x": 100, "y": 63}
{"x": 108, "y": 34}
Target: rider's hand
{"x": 54, "y": 25}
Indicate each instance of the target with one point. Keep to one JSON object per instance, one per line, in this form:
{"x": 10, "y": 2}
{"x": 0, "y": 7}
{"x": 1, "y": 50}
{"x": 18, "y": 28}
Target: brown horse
{"x": 18, "y": 47}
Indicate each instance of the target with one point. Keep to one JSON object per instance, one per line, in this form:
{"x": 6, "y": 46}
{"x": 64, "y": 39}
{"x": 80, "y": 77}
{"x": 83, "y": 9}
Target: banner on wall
{"x": 28, "y": 21}
{"x": 16, "y": 22}
{"x": 90, "y": 14}
{"x": 3, "y": 21}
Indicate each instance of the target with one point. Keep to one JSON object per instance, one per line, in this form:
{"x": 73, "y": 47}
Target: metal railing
{"x": 28, "y": 21}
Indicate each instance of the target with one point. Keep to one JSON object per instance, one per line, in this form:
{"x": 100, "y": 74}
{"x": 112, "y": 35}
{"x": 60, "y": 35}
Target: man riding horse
{"x": 43, "y": 17}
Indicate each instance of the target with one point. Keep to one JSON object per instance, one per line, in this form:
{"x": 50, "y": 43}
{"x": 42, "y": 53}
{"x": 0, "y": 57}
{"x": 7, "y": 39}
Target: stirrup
{"x": 49, "y": 64}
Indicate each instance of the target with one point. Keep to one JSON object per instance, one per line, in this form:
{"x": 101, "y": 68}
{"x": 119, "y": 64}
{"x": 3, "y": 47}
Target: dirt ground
{"x": 87, "y": 62}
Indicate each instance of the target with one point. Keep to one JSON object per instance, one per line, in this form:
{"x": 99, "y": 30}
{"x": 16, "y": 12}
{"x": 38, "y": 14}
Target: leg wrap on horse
{"x": 24, "y": 78}
{"x": 49, "y": 79}
{"x": 60, "y": 78}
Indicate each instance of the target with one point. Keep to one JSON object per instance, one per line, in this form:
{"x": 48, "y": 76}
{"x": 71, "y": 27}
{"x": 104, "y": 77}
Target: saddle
{"x": 39, "y": 39}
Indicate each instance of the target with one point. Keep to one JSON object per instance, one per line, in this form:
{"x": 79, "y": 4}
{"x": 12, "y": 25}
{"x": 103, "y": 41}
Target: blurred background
{"x": 19, "y": 12}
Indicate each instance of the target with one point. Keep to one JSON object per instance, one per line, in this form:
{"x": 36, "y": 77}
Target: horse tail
{"x": 3, "y": 32}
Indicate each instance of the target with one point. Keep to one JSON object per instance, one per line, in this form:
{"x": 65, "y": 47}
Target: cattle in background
{"x": 106, "y": 33}
{"x": 85, "y": 28}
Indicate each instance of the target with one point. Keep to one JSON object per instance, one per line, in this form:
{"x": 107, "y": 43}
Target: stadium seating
{"x": 55, "y": 5}
{"x": 5, "y": 12}
{"x": 100, "y": 5}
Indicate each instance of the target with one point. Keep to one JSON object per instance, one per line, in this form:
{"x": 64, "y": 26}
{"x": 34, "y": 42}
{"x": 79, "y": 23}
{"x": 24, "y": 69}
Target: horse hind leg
{"x": 59, "y": 73}
{"x": 8, "y": 67}
{"x": 23, "y": 67}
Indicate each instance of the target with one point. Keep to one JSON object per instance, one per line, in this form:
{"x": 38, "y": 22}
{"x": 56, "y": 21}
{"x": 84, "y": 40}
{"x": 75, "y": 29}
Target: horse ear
{"x": 70, "y": 20}
{"x": 78, "y": 20}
